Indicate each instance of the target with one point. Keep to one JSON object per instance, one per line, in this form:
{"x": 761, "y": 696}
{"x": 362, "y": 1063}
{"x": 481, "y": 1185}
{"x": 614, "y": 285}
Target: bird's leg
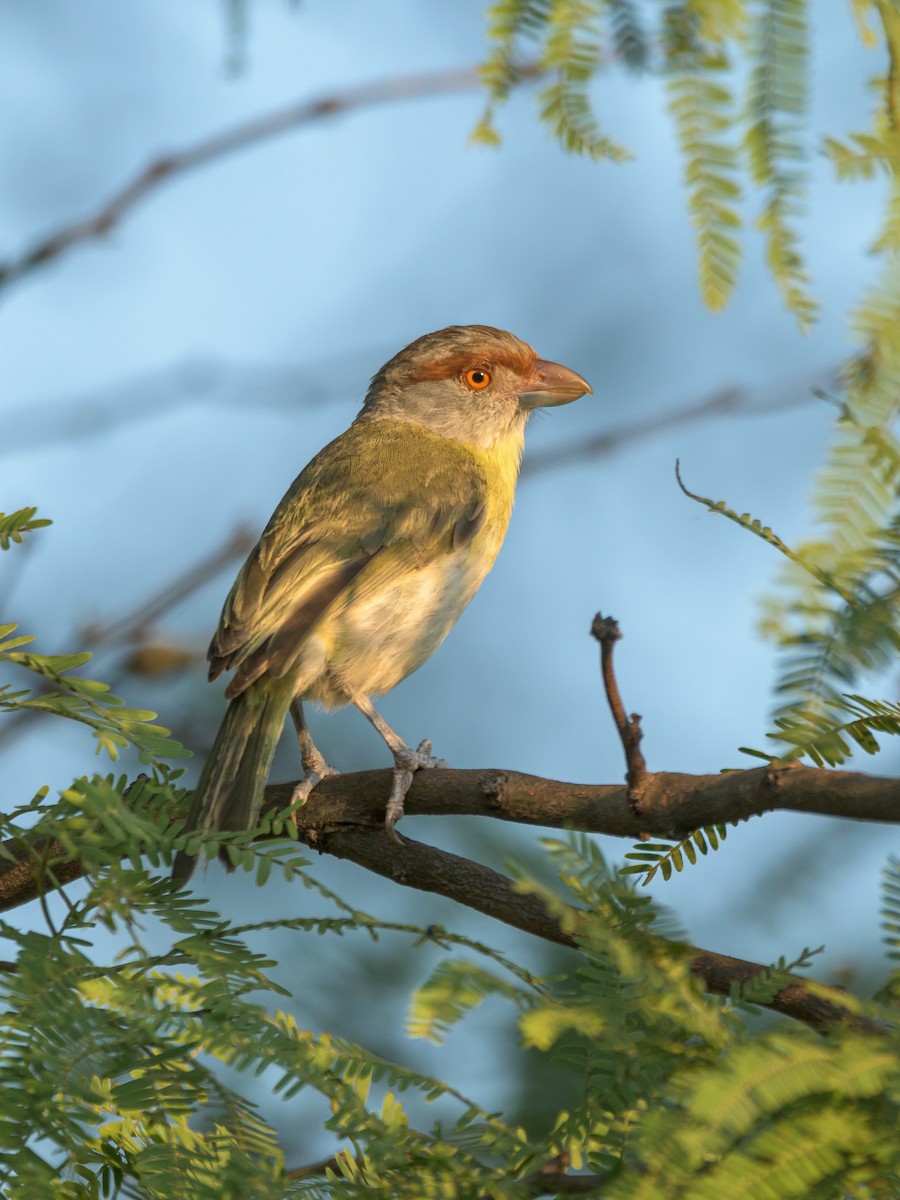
{"x": 315, "y": 768}
{"x": 406, "y": 761}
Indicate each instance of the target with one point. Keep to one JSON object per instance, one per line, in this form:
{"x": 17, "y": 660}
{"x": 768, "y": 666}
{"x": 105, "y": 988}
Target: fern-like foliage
{"x": 698, "y": 69}
{"x": 841, "y": 621}
{"x": 630, "y": 38}
{"x": 764, "y": 986}
{"x": 851, "y": 722}
{"x": 890, "y": 909}
{"x": 680, "y": 1100}
{"x": 87, "y": 701}
{"x": 455, "y": 988}
{"x": 845, "y": 623}
{"x": 571, "y": 55}
{"x": 773, "y": 141}
{"x": 889, "y": 993}
{"x": 13, "y": 525}
{"x": 780, "y": 1116}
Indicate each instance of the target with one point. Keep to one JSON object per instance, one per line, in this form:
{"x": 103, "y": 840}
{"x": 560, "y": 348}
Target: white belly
{"x": 377, "y": 640}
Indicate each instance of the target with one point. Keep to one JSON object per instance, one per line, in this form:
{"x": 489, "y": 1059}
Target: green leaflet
{"x": 87, "y": 701}
{"x": 649, "y": 858}
{"x": 13, "y": 525}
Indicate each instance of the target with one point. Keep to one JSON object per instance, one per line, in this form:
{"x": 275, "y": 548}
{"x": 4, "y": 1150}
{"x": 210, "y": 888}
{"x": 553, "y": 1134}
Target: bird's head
{"x": 472, "y": 383}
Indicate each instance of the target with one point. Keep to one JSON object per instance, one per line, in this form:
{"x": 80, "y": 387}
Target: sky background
{"x": 165, "y": 385}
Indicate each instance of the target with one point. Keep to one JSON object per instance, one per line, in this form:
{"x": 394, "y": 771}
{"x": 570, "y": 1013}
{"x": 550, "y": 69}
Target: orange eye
{"x": 478, "y": 378}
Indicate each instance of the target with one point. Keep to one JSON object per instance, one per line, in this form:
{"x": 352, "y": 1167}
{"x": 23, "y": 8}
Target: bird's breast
{"x": 379, "y": 638}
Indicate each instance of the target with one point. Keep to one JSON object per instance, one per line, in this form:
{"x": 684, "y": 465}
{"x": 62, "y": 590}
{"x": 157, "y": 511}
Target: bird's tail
{"x": 229, "y": 793}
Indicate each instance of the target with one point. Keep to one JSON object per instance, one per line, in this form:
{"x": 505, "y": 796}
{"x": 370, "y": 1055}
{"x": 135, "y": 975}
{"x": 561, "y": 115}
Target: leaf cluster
{"x": 737, "y": 78}
{"x": 680, "y": 1097}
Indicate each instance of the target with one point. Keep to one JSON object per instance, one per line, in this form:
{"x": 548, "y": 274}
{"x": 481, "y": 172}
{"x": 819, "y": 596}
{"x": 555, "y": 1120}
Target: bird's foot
{"x": 314, "y": 773}
{"x": 406, "y": 763}
{"x": 314, "y": 762}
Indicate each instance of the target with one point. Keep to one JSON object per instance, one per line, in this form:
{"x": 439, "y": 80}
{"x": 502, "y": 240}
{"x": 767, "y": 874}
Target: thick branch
{"x": 344, "y": 817}
{"x": 672, "y": 806}
{"x": 239, "y": 137}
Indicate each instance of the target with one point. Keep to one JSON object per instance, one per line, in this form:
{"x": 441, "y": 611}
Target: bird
{"x": 368, "y": 561}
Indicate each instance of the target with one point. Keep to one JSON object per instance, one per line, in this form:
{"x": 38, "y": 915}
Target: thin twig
{"x": 239, "y": 137}
{"x": 606, "y": 631}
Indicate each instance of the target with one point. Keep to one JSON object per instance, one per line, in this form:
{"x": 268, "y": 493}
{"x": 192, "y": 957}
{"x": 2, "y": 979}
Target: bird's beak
{"x": 552, "y": 384}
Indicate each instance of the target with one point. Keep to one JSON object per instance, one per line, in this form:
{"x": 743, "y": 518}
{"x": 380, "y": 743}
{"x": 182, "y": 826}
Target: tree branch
{"x": 550, "y": 1180}
{"x": 127, "y": 633}
{"x": 673, "y": 806}
{"x": 239, "y": 137}
{"x": 344, "y": 817}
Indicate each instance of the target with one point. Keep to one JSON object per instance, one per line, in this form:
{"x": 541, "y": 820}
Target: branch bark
{"x": 239, "y": 137}
{"x": 672, "y": 805}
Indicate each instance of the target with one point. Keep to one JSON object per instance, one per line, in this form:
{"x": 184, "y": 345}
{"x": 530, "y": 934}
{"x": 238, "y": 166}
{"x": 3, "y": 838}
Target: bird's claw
{"x": 406, "y": 763}
{"x": 424, "y": 757}
{"x": 311, "y": 780}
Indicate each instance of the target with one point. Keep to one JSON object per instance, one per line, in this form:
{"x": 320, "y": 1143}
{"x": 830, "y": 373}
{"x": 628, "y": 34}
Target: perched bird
{"x": 368, "y": 561}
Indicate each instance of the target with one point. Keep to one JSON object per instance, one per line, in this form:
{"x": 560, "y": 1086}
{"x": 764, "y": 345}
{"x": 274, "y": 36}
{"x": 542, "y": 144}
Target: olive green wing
{"x": 382, "y": 489}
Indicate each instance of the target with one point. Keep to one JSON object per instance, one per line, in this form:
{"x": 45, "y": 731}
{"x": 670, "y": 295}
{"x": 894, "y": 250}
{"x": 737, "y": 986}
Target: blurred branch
{"x": 731, "y": 401}
{"x": 125, "y": 630}
{"x": 124, "y": 633}
{"x": 279, "y": 388}
{"x": 551, "y": 1179}
{"x": 312, "y": 1170}
{"x": 158, "y": 393}
{"x": 238, "y": 137}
